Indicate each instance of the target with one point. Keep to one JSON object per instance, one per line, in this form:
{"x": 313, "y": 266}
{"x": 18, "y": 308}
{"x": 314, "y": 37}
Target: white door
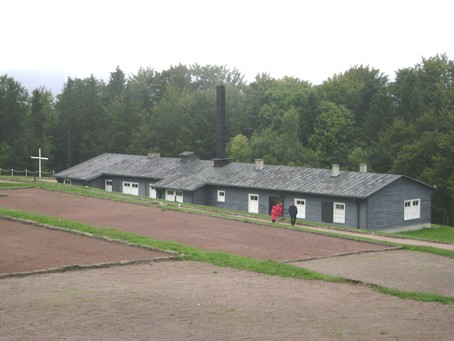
{"x": 153, "y": 193}
{"x": 126, "y": 188}
{"x": 135, "y": 188}
{"x": 179, "y": 196}
{"x": 253, "y": 203}
{"x": 301, "y": 206}
{"x": 170, "y": 195}
{"x": 108, "y": 186}
{"x": 339, "y": 213}
{"x": 131, "y": 188}
{"x": 412, "y": 209}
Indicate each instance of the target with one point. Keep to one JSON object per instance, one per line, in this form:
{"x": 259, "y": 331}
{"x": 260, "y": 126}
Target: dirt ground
{"x": 200, "y": 231}
{"x": 171, "y": 300}
{"x": 27, "y": 248}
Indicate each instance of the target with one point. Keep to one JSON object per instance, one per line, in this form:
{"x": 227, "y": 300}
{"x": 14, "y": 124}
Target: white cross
{"x": 39, "y": 158}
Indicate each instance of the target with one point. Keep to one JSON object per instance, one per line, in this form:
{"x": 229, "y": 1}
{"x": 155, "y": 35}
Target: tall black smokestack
{"x": 220, "y": 102}
{"x": 221, "y": 158}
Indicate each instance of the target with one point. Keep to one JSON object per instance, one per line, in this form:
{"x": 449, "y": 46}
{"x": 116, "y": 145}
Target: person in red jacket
{"x": 276, "y": 212}
{"x": 273, "y": 213}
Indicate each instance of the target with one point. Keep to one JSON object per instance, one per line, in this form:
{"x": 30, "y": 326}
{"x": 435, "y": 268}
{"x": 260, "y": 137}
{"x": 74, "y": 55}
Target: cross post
{"x": 39, "y": 159}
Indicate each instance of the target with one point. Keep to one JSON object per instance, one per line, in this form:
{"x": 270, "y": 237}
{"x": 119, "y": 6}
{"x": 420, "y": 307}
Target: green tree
{"x": 209, "y": 76}
{"x": 144, "y": 87}
{"x": 292, "y": 151}
{"x": 266, "y": 145}
{"x": 268, "y": 99}
{"x": 39, "y": 127}
{"x": 334, "y": 134}
{"x": 282, "y": 147}
{"x": 389, "y": 144}
{"x": 239, "y": 149}
{"x": 363, "y": 91}
{"x": 68, "y": 128}
{"x": 425, "y": 88}
{"x": 421, "y": 146}
{"x": 13, "y": 107}
{"x": 439, "y": 171}
{"x": 116, "y": 85}
{"x": 160, "y": 129}
{"x": 122, "y": 110}
{"x": 93, "y": 120}
{"x": 258, "y": 97}
{"x": 197, "y": 124}
{"x": 309, "y": 113}
{"x": 13, "y": 111}
{"x": 81, "y": 128}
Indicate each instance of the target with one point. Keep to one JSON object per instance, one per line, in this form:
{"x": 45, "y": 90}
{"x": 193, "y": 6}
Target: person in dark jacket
{"x": 292, "y": 211}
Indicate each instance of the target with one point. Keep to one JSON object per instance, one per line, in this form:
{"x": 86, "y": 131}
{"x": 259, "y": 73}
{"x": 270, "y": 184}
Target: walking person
{"x": 292, "y": 211}
{"x": 278, "y": 211}
{"x": 274, "y": 213}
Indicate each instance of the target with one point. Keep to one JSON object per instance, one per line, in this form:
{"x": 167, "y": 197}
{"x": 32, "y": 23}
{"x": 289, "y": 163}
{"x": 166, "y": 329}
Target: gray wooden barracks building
{"x": 355, "y": 199}
{"x": 360, "y": 200}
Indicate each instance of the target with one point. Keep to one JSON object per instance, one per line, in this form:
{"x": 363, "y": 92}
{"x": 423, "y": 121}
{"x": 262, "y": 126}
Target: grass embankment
{"x": 437, "y": 233}
{"x": 14, "y": 185}
{"x": 267, "y": 267}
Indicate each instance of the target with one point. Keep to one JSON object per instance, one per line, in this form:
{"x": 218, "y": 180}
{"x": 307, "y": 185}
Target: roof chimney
{"x": 221, "y": 158}
{"x": 363, "y": 167}
{"x": 152, "y": 155}
{"x": 259, "y": 164}
{"x": 186, "y": 157}
{"x": 220, "y": 103}
{"x": 335, "y": 170}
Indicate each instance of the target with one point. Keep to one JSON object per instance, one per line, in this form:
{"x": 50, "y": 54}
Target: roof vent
{"x": 363, "y": 167}
{"x": 335, "y": 170}
{"x": 152, "y": 155}
{"x": 259, "y": 164}
{"x": 188, "y": 156}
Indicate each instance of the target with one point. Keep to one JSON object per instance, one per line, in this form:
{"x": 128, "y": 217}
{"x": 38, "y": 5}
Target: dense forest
{"x": 404, "y": 126}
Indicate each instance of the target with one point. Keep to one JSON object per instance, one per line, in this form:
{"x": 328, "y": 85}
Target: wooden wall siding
{"x": 362, "y": 207}
{"x": 100, "y": 183}
{"x": 386, "y": 207}
{"x": 237, "y": 198}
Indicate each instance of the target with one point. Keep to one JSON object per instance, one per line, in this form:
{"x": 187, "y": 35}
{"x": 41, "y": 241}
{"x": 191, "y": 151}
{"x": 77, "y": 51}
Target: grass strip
{"x": 14, "y": 185}
{"x": 430, "y": 249}
{"x": 416, "y": 296}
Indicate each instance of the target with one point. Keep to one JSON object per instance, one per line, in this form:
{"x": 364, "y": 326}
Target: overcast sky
{"x": 45, "y": 41}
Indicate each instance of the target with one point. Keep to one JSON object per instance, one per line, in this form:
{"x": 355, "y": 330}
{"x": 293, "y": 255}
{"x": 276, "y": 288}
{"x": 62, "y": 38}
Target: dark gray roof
{"x": 122, "y": 165}
{"x": 191, "y": 175}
